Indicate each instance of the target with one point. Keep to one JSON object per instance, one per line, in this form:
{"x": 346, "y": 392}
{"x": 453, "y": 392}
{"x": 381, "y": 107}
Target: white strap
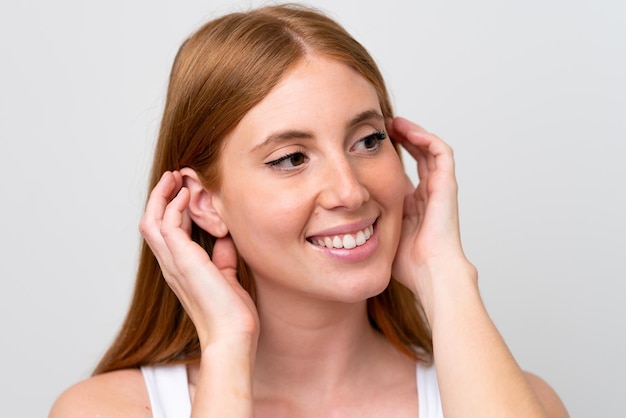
{"x": 169, "y": 393}
{"x": 168, "y": 389}
{"x": 429, "y": 400}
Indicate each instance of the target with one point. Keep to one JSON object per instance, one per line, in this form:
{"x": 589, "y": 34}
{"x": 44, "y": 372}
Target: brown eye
{"x": 371, "y": 142}
{"x": 288, "y": 162}
{"x": 296, "y": 159}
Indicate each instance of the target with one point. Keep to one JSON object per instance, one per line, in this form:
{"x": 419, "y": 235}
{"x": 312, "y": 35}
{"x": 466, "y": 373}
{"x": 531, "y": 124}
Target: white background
{"x": 532, "y": 96}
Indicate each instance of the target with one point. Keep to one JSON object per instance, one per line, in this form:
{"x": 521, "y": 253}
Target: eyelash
{"x": 379, "y": 136}
{"x": 275, "y": 163}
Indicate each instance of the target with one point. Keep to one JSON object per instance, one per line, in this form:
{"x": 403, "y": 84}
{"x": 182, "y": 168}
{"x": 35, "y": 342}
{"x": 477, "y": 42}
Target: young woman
{"x": 290, "y": 269}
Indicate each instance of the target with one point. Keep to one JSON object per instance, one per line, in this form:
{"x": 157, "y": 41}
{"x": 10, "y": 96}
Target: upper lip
{"x": 348, "y": 228}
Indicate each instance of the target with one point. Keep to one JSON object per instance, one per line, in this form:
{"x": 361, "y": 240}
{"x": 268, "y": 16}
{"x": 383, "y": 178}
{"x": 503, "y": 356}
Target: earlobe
{"x": 203, "y": 208}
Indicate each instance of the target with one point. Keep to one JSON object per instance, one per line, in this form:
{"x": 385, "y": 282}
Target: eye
{"x": 288, "y": 162}
{"x": 371, "y": 142}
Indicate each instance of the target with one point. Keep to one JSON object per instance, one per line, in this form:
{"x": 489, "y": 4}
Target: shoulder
{"x": 547, "y": 396}
{"x": 115, "y": 394}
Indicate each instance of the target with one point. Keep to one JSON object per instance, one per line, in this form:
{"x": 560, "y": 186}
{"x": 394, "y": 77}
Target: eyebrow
{"x": 364, "y": 116}
{"x": 371, "y": 114}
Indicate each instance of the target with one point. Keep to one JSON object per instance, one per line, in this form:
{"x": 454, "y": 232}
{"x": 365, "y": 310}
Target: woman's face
{"x": 312, "y": 189}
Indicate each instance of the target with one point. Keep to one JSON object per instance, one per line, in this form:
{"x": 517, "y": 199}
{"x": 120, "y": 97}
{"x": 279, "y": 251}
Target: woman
{"x": 278, "y": 214}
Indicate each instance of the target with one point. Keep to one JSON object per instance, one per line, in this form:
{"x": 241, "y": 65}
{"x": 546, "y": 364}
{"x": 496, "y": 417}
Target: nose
{"x": 342, "y": 186}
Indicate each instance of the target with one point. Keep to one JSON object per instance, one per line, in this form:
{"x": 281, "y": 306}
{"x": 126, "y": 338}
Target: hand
{"x": 430, "y": 238}
{"x": 208, "y": 289}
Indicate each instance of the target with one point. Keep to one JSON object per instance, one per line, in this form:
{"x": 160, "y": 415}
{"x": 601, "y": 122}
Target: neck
{"x": 318, "y": 351}
{"x": 314, "y": 344}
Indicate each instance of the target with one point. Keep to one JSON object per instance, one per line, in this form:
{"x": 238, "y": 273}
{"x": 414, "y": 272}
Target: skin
{"x": 344, "y": 178}
{"x": 311, "y": 317}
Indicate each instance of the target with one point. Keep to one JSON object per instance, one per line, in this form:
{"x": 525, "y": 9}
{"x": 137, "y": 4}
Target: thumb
{"x": 225, "y": 256}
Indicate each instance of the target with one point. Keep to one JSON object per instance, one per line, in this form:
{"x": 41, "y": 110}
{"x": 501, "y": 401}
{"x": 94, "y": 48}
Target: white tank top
{"x": 168, "y": 390}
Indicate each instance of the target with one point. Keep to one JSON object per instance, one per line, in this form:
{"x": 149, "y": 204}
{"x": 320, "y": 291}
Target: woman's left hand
{"x": 475, "y": 368}
{"x": 430, "y": 239}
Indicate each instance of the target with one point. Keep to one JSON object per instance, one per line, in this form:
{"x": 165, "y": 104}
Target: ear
{"x": 203, "y": 207}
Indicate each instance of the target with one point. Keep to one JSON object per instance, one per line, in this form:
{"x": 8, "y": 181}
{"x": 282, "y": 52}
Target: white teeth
{"x": 360, "y": 238}
{"x": 347, "y": 241}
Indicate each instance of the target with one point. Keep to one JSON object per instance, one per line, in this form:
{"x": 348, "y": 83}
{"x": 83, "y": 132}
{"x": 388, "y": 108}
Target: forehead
{"x": 317, "y": 94}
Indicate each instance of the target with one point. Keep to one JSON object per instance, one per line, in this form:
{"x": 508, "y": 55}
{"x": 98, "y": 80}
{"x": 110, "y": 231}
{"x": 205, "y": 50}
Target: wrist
{"x": 231, "y": 345}
{"x": 442, "y": 284}
{"x": 224, "y": 385}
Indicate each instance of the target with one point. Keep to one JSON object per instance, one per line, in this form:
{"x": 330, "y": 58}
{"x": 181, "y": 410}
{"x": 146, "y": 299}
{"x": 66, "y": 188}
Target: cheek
{"x": 390, "y": 184}
{"x": 390, "y": 189}
{"x": 264, "y": 225}
{"x": 271, "y": 214}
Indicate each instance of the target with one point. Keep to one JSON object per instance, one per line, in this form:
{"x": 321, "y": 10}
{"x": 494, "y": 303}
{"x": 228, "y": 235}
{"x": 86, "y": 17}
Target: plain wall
{"x": 531, "y": 95}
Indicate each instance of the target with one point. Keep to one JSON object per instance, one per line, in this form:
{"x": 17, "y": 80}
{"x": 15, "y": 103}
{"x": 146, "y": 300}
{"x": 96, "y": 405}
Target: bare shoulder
{"x": 547, "y": 396}
{"x": 120, "y": 393}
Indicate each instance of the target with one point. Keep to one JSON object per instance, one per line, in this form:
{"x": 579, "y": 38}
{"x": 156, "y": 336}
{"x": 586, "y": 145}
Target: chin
{"x": 364, "y": 289}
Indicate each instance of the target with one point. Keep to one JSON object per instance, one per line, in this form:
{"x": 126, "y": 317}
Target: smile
{"x": 347, "y": 241}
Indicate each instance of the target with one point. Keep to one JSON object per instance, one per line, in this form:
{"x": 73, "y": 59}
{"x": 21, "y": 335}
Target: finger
{"x": 164, "y": 191}
{"x": 172, "y": 225}
{"x": 401, "y": 126}
{"x": 420, "y": 158}
{"x": 407, "y": 134}
{"x": 438, "y": 154}
{"x": 415, "y": 140}
{"x": 173, "y": 218}
{"x": 186, "y": 255}
{"x": 150, "y": 223}
{"x": 225, "y": 257}
{"x": 422, "y": 165}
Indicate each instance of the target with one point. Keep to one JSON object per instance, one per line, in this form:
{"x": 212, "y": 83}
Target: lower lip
{"x": 352, "y": 255}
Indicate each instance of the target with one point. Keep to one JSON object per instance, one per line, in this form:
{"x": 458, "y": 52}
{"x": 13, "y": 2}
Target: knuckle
{"x": 167, "y": 230}
{"x": 145, "y": 228}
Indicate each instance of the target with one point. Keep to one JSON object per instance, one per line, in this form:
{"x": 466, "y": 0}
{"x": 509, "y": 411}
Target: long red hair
{"x": 221, "y": 72}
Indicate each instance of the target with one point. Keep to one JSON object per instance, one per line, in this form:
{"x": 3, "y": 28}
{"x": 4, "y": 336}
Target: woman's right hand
{"x": 207, "y": 288}
{"x": 223, "y": 313}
